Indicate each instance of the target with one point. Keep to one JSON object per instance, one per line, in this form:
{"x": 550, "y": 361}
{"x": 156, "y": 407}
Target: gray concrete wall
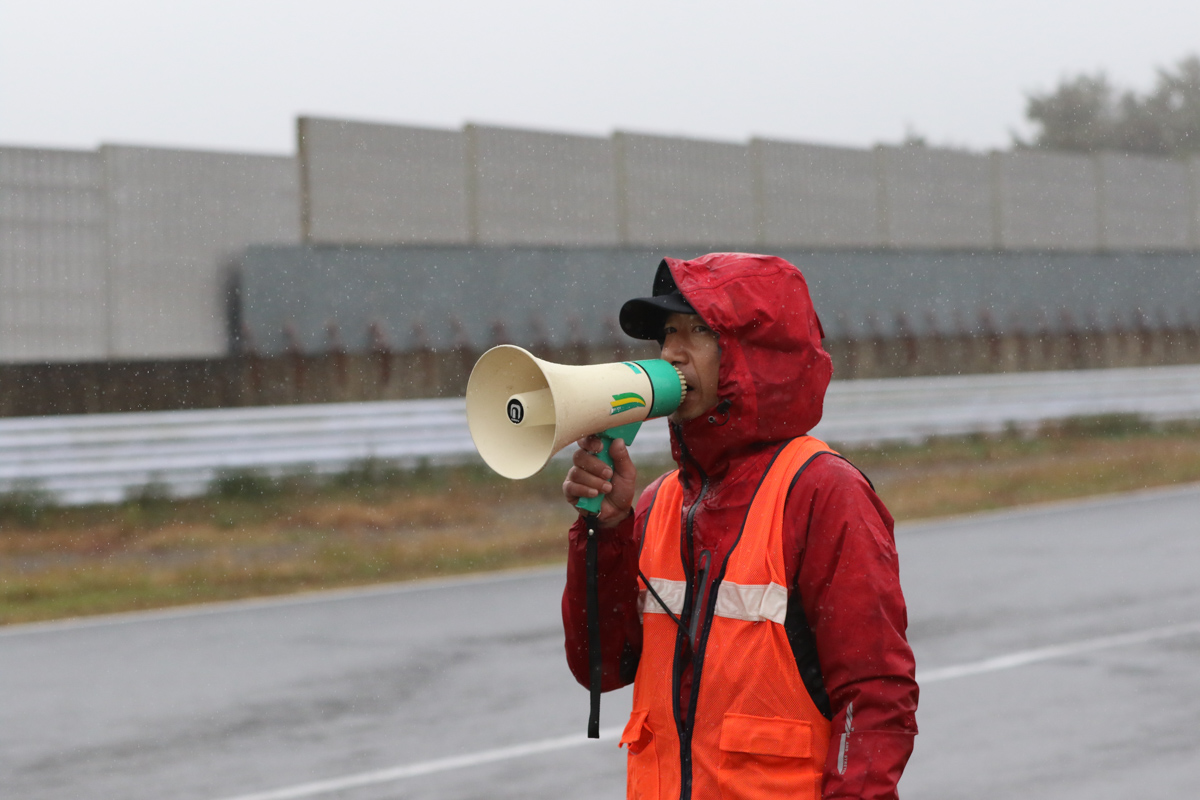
{"x": 123, "y": 253}
{"x": 477, "y": 297}
{"x": 1145, "y": 203}
{"x": 52, "y": 256}
{"x": 817, "y": 196}
{"x": 535, "y": 188}
{"x": 176, "y": 222}
{"x": 406, "y": 298}
{"x": 382, "y": 184}
{"x": 866, "y": 295}
{"x": 1047, "y": 201}
{"x": 1195, "y": 217}
{"x": 937, "y": 199}
{"x": 386, "y": 184}
{"x": 683, "y": 191}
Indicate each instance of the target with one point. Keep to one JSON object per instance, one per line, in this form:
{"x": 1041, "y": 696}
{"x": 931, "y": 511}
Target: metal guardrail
{"x": 105, "y": 457}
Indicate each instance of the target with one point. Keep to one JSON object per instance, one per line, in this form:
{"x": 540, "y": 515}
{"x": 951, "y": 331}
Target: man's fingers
{"x": 591, "y": 443}
{"x": 582, "y": 483}
{"x": 574, "y": 491}
{"x": 590, "y": 477}
{"x": 587, "y": 462}
{"x": 622, "y": 462}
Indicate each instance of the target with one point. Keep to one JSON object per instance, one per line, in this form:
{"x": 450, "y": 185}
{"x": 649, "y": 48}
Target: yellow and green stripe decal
{"x": 626, "y": 402}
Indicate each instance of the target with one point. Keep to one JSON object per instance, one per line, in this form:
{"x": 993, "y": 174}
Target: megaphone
{"x": 522, "y": 410}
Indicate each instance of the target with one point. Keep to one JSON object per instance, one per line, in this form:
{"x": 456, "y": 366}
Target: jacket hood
{"x": 773, "y": 369}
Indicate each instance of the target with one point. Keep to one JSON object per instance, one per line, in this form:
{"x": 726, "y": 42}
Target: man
{"x": 752, "y": 597}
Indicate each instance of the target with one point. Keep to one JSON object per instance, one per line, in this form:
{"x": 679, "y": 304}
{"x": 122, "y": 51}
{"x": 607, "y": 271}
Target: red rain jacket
{"x": 840, "y": 550}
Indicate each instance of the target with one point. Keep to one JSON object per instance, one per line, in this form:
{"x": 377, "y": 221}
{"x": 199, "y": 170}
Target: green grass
{"x": 255, "y": 535}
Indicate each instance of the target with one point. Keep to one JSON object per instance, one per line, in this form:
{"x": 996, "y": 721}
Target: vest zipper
{"x": 698, "y": 668}
{"x": 685, "y": 726}
{"x": 682, "y": 726}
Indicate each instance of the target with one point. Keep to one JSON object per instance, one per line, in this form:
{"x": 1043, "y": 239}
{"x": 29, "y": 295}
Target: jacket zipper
{"x": 705, "y": 560}
{"x": 683, "y": 727}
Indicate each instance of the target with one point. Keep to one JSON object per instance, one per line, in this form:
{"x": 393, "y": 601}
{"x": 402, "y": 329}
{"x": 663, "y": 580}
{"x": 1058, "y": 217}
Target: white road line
{"x": 1020, "y": 659}
{"x": 1010, "y": 661}
{"x": 427, "y": 767}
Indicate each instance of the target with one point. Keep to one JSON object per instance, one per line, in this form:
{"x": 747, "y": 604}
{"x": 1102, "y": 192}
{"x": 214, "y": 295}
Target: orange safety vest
{"x": 754, "y": 731}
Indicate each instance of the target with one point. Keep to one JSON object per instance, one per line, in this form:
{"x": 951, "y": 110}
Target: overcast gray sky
{"x": 233, "y": 74}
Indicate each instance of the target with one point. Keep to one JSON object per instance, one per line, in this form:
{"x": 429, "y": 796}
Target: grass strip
{"x": 254, "y": 536}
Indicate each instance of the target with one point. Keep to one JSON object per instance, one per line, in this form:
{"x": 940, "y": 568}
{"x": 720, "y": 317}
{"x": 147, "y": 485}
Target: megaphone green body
{"x": 522, "y": 410}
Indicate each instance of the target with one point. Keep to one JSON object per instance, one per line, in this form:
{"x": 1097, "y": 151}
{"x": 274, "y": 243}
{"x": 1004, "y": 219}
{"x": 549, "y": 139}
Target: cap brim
{"x": 643, "y": 317}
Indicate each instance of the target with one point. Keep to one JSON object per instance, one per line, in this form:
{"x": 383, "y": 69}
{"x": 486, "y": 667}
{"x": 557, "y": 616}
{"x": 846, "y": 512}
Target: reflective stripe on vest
{"x": 753, "y": 731}
{"x": 750, "y": 603}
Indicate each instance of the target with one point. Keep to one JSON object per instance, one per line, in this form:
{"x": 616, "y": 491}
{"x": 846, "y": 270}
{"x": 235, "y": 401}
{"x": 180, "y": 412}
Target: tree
{"x": 1179, "y": 95}
{"x": 1086, "y": 113}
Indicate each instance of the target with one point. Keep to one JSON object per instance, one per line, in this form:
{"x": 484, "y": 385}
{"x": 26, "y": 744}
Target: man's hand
{"x": 591, "y": 476}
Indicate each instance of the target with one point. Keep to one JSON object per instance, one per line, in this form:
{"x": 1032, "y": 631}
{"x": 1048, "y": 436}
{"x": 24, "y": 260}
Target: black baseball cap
{"x": 643, "y": 317}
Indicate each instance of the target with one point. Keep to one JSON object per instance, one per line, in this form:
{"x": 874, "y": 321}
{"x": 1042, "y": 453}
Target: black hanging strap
{"x": 666, "y": 608}
{"x": 595, "y": 666}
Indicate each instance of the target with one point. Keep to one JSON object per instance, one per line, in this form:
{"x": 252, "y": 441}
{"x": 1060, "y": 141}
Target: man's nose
{"x": 671, "y": 351}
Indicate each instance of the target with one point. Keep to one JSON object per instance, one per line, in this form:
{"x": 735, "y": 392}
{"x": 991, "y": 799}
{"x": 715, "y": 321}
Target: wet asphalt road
{"x": 236, "y": 700}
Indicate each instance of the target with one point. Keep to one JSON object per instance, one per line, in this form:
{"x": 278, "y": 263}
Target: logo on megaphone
{"x": 522, "y": 410}
{"x": 626, "y": 401}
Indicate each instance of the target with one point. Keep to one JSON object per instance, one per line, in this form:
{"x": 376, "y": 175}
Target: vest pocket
{"x": 763, "y": 757}
{"x": 642, "y": 781}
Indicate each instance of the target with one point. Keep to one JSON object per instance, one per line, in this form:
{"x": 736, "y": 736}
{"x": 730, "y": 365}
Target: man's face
{"x": 692, "y": 347}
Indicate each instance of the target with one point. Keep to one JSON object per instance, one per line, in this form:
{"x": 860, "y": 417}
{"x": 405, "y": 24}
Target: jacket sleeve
{"x": 620, "y": 625}
{"x": 840, "y": 536}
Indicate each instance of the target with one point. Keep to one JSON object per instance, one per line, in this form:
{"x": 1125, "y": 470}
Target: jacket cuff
{"x": 866, "y": 765}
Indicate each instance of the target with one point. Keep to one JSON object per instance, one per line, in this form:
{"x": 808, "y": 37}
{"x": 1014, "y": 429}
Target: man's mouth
{"x": 683, "y": 384}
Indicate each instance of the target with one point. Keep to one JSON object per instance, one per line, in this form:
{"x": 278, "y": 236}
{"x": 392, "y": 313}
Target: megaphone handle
{"x": 592, "y": 504}
{"x": 624, "y": 432}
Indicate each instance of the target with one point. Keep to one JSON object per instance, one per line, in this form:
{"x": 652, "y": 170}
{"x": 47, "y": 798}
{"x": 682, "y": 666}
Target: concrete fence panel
{"x": 52, "y": 256}
{"x": 1194, "y": 164}
{"x": 312, "y": 300}
{"x": 177, "y": 221}
{"x": 402, "y": 299}
{"x": 382, "y": 184}
{"x": 684, "y": 192}
{"x": 817, "y": 196}
{"x": 542, "y": 188}
{"x": 871, "y": 295}
{"x": 1145, "y": 203}
{"x": 1047, "y": 201}
{"x": 937, "y": 199}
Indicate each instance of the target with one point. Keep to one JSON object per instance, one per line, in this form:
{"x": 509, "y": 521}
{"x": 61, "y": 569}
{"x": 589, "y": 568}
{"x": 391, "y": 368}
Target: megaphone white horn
{"x": 522, "y": 410}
